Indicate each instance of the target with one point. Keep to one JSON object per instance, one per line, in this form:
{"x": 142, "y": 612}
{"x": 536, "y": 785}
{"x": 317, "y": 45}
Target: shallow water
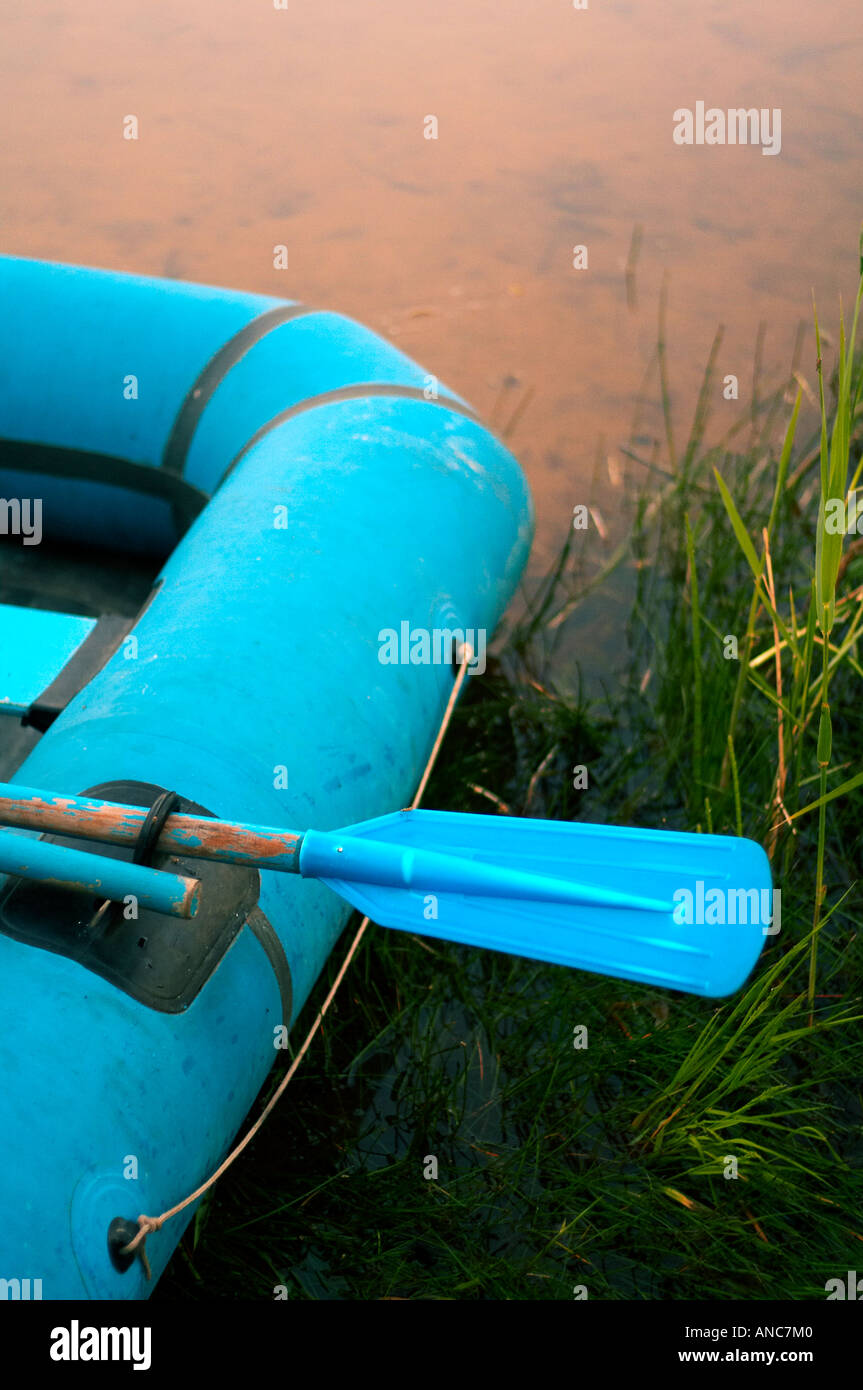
{"x": 305, "y": 127}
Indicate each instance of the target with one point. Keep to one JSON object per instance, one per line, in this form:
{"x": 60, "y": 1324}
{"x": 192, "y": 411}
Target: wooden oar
{"x": 614, "y": 899}
{"x": 111, "y": 823}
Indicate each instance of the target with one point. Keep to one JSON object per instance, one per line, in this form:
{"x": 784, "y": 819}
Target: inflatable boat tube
{"x": 315, "y": 493}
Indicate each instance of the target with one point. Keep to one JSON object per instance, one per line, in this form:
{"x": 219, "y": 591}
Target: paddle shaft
{"x": 93, "y": 873}
{"x": 108, "y": 822}
{"x": 325, "y": 854}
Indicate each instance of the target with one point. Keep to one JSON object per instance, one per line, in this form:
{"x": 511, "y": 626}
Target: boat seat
{"x": 46, "y": 658}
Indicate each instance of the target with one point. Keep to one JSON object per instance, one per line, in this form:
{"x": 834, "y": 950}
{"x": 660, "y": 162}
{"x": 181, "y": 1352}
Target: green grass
{"x": 604, "y": 1166}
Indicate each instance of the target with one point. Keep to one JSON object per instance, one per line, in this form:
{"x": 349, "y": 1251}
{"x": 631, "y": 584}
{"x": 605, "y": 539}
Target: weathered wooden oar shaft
{"x": 110, "y": 823}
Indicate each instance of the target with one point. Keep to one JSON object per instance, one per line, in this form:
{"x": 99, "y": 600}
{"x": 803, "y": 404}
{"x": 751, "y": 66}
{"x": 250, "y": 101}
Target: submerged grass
{"x": 691, "y": 1149}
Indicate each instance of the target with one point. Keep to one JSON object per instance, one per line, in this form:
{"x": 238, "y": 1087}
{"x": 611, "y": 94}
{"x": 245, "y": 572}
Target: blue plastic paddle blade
{"x": 717, "y": 889}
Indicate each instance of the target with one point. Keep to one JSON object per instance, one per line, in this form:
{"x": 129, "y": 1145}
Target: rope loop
{"x": 138, "y": 1243}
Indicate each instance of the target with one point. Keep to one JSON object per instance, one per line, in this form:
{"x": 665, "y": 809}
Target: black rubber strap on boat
{"x": 260, "y": 925}
{"x": 211, "y": 377}
{"x": 361, "y": 391}
{"x": 84, "y": 663}
{"x": 263, "y": 929}
{"x": 154, "y": 823}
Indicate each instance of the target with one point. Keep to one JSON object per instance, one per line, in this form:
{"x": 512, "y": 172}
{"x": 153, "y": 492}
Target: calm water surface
{"x": 305, "y": 127}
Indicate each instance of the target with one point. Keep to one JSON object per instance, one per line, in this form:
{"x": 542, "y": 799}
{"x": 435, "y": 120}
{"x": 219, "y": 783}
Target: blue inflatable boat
{"x": 325, "y": 508}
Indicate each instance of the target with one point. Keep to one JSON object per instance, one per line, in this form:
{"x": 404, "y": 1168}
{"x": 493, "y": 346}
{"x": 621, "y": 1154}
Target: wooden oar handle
{"x": 229, "y": 842}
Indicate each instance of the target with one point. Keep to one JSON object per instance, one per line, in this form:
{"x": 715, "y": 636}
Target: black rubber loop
{"x": 153, "y": 825}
